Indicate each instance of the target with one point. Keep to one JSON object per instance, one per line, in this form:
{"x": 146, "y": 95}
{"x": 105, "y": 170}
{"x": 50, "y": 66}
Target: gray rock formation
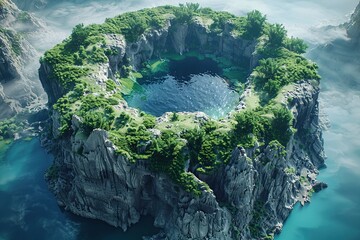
{"x": 353, "y": 27}
{"x": 180, "y": 38}
{"x": 19, "y": 85}
{"x": 252, "y": 195}
{"x": 120, "y": 192}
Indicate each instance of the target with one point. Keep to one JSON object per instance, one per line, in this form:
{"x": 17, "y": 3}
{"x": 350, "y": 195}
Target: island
{"x": 200, "y": 177}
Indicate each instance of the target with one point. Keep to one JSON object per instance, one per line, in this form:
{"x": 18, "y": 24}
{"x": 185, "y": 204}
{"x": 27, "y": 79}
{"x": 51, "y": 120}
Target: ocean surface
{"x": 334, "y": 213}
{"x": 191, "y": 85}
{"x": 29, "y": 211}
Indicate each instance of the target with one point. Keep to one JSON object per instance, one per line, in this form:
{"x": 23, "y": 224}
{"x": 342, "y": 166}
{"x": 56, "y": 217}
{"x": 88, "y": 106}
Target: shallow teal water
{"x": 29, "y": 211}
{"x": 334, "y": 214}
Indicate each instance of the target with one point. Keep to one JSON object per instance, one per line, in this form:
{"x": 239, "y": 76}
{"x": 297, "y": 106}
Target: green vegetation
{"x": 13, "y": 38}
{"x": 281, "y": 63}
{"x": 296, "y": 45}
{"x": 174, "y": 117}
{"x": 255, "y": 23}
{"x": 208, "y": 146}
{"x": 186, "y": 12}
{"x": 255, "y": 224}
{"x": 4, "y": 146}
{"x": 276, "y": 36}
{"x": 110, "y": 85}
{"x": 8, "y": 128}
{"x": 263, "y": 125}
{"x": 53, "y": 172}
{"x": 24, "y": 17}
{"x": 275, "y": 72}
{"x": 290, "y": 170}
{"x": 181, "y": 145}
{"x": 168, "y": 157}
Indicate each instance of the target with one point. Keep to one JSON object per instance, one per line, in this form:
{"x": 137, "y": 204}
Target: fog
{"x": 301, "y": 18}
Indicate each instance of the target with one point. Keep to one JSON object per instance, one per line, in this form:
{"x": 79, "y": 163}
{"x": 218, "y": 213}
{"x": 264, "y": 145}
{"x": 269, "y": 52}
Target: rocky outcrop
{"x": 17, "y": 91}
{"x": 94, "y": 182}
{"x": 11, "y": 17}
{"x": 19, "y": 85}
{"x": 181, "y": 38}
{"x": 353, "y": 27}
{"x": 51, "y": 87}
{"x": 305, "y": 107}
{"x": 261, "y": 186}
{"x": 252, "y": 195}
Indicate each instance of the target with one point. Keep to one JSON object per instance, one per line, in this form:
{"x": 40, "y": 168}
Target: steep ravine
{"x": 252, "y": 195}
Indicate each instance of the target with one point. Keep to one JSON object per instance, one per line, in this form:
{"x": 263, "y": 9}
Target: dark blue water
{"x": 29, "y": 211}
{"x": 191, "y": 85}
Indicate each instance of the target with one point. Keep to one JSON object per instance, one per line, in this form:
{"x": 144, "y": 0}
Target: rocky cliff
{"x": 353, "y": 27}
{"x": 251, "y": 196}
{"x": 263, "y": 185}
{"x": 19, "y": 86}
{"x": 181, "y": 38}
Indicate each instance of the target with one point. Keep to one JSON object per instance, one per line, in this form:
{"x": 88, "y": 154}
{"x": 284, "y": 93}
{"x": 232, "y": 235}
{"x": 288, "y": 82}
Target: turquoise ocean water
{"x": 334, "y": 214}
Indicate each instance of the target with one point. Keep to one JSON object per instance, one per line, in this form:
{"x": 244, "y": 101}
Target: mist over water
{"x": 301, "y": 18}
{"x": 333, "y": 213}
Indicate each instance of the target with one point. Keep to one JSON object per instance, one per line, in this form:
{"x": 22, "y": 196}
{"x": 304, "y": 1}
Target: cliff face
{"x": 252, "y": 195}
{"x": 19, "y": 87}
{"x": 184, "y": 37}
{"x": 95, "y": 183}
{"x": 353, "y": 27}
{"x": 263, "y": 185}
